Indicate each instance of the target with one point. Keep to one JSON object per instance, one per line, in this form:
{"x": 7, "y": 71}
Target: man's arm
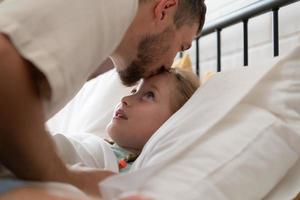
{"x": 25, "y": 147}
{"x": 36, "y": 193}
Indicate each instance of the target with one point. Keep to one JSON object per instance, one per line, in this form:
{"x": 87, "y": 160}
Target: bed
{"x": 229, "y": 141}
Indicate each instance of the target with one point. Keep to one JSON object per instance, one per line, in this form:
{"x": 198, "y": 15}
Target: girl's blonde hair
{"x": 186, "y": 84}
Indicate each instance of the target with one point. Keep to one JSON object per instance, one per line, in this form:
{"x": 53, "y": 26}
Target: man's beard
{"x": 150, "y": 49}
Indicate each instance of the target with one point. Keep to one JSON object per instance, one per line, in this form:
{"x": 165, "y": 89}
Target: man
{"x": 48, "y": 49}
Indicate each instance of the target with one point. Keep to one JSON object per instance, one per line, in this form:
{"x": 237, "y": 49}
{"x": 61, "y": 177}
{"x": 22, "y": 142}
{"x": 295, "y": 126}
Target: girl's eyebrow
{"x": 154, "y": 87}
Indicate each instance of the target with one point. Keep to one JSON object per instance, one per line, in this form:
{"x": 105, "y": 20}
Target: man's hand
{"x": 87, "y": 179}
{"x": 135, "y": 197}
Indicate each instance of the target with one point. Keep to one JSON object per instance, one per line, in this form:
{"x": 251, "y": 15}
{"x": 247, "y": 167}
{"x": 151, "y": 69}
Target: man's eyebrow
{"x": 186, "y": 46}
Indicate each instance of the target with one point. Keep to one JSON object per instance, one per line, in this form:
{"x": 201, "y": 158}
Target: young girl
{"x": 136, "y": 118}
{"x": 150, "y": 104}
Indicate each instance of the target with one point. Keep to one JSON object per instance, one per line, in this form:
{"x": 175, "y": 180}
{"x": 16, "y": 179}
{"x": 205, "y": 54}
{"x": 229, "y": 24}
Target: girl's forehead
{"x": 158, "y": 80}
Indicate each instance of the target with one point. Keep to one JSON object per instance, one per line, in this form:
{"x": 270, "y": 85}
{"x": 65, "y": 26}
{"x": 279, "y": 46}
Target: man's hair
{"x": 190, "y": 12}
{"x": 186, "y": 83}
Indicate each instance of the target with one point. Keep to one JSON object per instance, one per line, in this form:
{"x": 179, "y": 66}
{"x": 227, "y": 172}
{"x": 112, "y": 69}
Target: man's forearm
{"x": 25, "y": 148}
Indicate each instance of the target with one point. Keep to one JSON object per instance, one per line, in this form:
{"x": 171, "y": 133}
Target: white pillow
{"x": 236, "y": 138}
{"x": 92, "y": 108}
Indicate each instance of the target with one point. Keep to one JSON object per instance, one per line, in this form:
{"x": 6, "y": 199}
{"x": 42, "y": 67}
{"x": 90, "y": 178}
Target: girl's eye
{"x": 133, "y": 91}
{"x": 149, "y": 96}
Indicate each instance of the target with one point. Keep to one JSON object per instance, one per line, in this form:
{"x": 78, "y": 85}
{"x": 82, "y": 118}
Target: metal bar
{"x": 275, "y": 32}
{"x": 219, "y": 49}
{"x": 248, "y": 12}
{"x": 245, "y": 29}
{"x": 197, "y": 58}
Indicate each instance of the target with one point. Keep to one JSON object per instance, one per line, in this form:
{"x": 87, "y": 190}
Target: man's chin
{"x": 133, "y": 73}
{"x": 129, "y": 81}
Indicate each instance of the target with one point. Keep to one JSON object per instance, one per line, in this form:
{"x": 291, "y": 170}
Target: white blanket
{"x": 86, "y": 150}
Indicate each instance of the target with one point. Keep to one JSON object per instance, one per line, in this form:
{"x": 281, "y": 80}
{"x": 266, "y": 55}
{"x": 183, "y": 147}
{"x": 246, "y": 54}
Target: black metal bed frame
{"x": 243, "y": 15}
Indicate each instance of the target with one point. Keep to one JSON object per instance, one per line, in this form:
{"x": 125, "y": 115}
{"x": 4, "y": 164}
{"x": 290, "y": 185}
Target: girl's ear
{"x": 164, "y": 9}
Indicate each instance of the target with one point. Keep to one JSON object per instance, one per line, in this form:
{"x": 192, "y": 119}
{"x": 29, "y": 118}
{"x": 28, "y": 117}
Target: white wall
{"x": 260, "y": 35}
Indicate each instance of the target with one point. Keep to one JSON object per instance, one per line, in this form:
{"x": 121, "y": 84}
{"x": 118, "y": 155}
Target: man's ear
{"x": 164, "y": 9}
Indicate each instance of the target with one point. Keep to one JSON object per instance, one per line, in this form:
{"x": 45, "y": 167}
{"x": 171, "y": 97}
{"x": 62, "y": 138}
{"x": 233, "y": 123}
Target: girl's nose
{"x": 126, "y": 100}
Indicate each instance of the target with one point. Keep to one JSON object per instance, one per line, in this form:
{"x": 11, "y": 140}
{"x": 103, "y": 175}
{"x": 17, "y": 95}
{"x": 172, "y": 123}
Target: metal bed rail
{"x": 243, "y": 15}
